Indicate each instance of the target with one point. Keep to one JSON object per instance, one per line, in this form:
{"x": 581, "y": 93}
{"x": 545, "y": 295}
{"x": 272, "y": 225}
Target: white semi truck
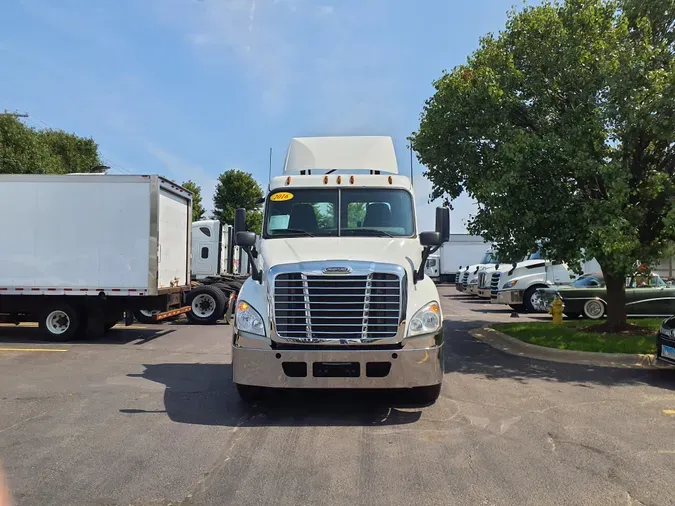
{"x": 337, "y": 296}
{"x": 517, "y": 285}
{"x": 466, "y": 279}
{"x": 89, "y": 247}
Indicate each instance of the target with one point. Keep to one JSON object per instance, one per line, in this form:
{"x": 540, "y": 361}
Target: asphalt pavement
{"x": 149, "y": 416}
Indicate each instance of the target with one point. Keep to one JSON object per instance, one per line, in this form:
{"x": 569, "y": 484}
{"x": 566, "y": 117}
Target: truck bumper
{"x": 414, "y": 365}
{"x": 508, "y": 297}
{"x": 484, "y": 293}
{"x": 472, "y": 289}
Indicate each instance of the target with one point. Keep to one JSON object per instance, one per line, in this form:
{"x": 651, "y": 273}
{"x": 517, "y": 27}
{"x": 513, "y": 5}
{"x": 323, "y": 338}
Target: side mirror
{"x": 430, "y": 239}
{"x": 245, "y": 239}
{"x": 239, "y": 221}
{"x": 443, "y": 223}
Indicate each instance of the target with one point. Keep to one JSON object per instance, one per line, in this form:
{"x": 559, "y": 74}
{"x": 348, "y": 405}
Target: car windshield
{"x": 345, "y": 212}
{"x": 653, "y": 281}
{"x": 588, "y": 281}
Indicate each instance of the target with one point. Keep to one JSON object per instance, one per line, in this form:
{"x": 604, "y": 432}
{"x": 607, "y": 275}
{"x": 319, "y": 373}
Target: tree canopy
{"x": 562, "y": 127}
{"x": 236, "y": 189}
{"x": 198, "y": 210}
{"x": 26, "y": 150}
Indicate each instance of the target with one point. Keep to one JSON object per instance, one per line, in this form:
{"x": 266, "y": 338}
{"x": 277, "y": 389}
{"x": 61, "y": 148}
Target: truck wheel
{"x": 112, "y": 320}
{"x": 59, "y": 322}
{"x": 146, "y": 315}
{"x": 532, "y": 300}
{"x": 250, "y": 394}
{"x": 425, "y": 396}
{"x": 207, "y": 304}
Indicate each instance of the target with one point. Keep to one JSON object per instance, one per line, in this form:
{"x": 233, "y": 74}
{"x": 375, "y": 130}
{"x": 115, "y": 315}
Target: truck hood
{"x": 400, "y": 251}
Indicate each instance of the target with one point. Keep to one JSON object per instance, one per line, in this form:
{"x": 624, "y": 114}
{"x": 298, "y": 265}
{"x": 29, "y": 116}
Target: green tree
{"x": 236, "y": 189}
{"x": 26, "y": 150}
{"x": 562, "y": 127}
{"x": 197, "y": 207}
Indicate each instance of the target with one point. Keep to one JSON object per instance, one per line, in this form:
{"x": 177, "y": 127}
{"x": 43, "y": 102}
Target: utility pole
{"x": 13, "y": 114}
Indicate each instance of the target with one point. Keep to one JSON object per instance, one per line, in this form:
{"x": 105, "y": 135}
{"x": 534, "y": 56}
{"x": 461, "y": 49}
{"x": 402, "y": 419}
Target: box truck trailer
{"x": 79, "y": 250}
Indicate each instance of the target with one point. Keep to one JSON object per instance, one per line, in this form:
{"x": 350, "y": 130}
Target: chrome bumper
{"x": 509, "y": 297}
{"x": 418, "y": 363}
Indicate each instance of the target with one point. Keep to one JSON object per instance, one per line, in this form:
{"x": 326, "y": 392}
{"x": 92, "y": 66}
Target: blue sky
{"x": 190, "y": 88}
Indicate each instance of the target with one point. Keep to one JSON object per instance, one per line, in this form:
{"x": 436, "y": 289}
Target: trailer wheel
{"x": 59, "y": 322}
{"x": 207, "y": 304}
{"x": 250, "y": 394}
{"x": 425, "y": 396}
{"x": 146, "y": 315}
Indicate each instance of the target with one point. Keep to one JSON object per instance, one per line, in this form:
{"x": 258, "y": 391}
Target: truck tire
{"x": 207, "y": 304}
{"x": 532, "y": 300}
{"x": 145, "y": 315}
{"x": 59, "y": 322}
{"x": 425, "y": 396}
{"x": 250, "y": 394}
{"x": 111, "y": 320}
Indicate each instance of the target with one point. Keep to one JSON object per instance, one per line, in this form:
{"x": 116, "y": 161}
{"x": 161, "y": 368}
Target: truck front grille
{"x": 337, "y": 307}
{"x": 458, "y": 278}
{"x": 465, "y": 279}
{"x": 494, "y": 284}
{"x": 481, "y": 279}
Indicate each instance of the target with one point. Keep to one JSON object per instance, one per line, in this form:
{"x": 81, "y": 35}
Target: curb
{"x": 513, "y": 346}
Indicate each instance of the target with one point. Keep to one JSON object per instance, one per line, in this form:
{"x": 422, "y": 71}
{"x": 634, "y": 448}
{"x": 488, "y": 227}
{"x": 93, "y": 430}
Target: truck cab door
{"x": 204, "y": 260}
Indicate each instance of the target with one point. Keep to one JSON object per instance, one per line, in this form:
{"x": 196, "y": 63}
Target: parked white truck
{"x": 337, "y": 297}
{"x": 517, "y": 285}
{"x": 467, "y": 276}
{"x": 89, "y": 247}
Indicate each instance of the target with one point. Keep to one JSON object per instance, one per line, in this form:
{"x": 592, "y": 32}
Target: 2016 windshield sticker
{"x": 281, "y": 196}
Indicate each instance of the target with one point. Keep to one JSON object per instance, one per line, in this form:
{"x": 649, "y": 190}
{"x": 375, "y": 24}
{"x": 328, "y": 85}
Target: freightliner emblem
{"x": 337, "y": 270}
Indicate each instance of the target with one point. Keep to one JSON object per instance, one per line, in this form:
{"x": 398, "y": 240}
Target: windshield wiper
{"x": 292, "y": 231}
{"x": 375, "y": 231}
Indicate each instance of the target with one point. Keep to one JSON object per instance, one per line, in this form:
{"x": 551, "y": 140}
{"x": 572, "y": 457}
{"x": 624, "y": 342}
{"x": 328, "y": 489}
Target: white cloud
{"x": 181, "y": 170}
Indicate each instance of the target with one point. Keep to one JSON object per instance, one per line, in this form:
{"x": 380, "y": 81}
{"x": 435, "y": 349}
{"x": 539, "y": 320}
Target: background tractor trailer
{"x": 89, "y": 247}
{"x": 455, "y": 256}
{"x": 215, "y": 262}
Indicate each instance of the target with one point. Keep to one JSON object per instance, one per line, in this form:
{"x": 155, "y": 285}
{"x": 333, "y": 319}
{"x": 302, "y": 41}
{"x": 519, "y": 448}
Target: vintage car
{"x": 646, "y": 294}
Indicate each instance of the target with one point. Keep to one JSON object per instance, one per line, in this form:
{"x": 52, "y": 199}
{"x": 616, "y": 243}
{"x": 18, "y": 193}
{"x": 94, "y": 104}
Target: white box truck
{"x": 76, "y": 251}
{"x": 337, "y": 296}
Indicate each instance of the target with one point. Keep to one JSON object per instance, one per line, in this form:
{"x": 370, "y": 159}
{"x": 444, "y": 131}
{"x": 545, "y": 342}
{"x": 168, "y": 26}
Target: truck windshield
{"x": 339, "y": 212}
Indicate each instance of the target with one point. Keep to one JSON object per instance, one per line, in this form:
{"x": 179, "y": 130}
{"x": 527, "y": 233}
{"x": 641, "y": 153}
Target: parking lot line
{"x": 35, "y": 349}
{"x": 669, "y": 411}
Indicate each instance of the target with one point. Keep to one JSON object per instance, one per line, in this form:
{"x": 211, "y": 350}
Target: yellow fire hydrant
{"x": 556, "y": 310}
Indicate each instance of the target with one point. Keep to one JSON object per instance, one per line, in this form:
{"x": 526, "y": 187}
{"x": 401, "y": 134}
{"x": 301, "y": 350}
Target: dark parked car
{"x": 665, "y": 341}
{"x": 587, "y": 296}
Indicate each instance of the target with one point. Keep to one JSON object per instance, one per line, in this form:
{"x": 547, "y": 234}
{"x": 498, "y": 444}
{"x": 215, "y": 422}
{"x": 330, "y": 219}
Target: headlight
{"x": 426, "y": 320}
{"x": 248, "y": 319}
{"x": 668, "y": 332}
{"x": 509, "y": 284}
